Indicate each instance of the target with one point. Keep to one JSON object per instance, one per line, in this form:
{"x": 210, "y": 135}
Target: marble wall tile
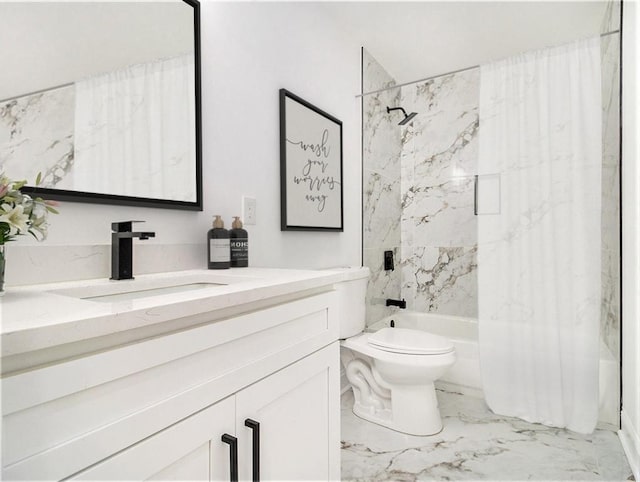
{"x": 382, "y": 209}
{"x": 445, "y": 132}
{"x": 36, "y": 135}
{"x": 382, "y": 284}
{"x": 611, "y": 17}
{"x": 438, "y": 226}
{"x": 442, "y": 214}
{"x": 381, "y": 134}
{"x": 610, "y": 214}
{"x": 440, "y": 280}
{"x": 374, "y": 76}
{"x": 429, "y": 165}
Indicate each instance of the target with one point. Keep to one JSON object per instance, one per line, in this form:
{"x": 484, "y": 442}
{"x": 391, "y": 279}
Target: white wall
{"x": 46, "y": 51}
{"x": 249, "y": 52}
{"x": 630, "y": 432}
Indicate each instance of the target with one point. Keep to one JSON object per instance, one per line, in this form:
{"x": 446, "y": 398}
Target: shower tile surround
{"x": 610, "y": 52}
{"x": 476, "y": 444}
{"x": 439, "y": 160}
{"x": 418, "y": 192}
{"x": 438, "y": 151}
{"x": 381, "y": 188}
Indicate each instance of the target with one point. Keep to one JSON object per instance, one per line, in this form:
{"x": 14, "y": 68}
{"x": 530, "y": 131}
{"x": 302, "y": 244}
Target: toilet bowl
{"x": 392, "y": 371}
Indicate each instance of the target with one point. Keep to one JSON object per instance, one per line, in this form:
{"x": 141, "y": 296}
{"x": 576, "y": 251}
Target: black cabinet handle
{"x": 255, "y": 427}
{"x": 233, "y": 456}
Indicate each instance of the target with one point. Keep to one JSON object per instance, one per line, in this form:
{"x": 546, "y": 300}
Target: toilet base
{"x": 414, "y": 411}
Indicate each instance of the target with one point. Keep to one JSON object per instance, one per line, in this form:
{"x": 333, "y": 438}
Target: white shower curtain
{"x": 539, "y": 258}
{"x": 135, "y": 131}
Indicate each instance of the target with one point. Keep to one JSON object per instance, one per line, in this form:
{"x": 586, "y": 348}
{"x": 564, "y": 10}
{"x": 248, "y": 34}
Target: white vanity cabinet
{"x": 157, "y": 408}
{"x": 294, "y": 412}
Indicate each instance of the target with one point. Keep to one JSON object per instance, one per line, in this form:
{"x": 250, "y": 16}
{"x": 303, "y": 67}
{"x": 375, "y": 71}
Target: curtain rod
{"x": 446, "y": 73}
{"x": 55, "y": 87}
{"x": 69, "y": 84}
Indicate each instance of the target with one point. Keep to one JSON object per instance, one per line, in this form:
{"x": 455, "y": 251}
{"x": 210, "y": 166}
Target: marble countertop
{"x": 47, "y": 315}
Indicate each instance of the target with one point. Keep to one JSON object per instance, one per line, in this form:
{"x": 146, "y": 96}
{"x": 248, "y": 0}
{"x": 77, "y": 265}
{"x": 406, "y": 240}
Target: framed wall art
{"x": 310, "y": 167}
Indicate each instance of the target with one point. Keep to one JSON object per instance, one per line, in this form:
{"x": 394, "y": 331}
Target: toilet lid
{"x": 412, "y": 342}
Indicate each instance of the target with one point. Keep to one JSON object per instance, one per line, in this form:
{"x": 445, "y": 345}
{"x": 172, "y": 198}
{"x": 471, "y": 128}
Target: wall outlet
{"x": 248, "y": 210}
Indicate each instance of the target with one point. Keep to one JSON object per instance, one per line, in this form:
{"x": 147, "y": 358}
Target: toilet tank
{"x": 351, "y": 300}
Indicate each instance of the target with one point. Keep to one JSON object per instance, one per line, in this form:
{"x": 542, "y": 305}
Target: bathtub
{"x": 465, "y": 377}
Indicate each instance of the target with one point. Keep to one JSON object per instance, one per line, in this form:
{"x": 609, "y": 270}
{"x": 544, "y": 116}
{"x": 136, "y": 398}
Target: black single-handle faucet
{"x": 400, "y": 304}
{"x": 122, "y": 248}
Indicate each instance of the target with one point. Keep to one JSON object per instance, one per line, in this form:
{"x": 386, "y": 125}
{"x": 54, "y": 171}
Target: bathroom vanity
{"x": 145, "y": 378}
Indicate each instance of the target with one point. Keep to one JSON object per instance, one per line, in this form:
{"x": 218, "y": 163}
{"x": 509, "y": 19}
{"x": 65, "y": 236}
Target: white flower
{"x": 15, "y": 217}
{"x": 20, "y": 213}
{"x": 39, "y": 219}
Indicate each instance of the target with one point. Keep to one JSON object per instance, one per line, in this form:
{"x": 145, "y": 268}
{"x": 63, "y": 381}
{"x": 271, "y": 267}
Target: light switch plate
{"x": 248, "y": 210}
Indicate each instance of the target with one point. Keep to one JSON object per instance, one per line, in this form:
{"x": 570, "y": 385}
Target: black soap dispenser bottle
{"x": 239, "y": 245}
{"x": 218, "y": 245}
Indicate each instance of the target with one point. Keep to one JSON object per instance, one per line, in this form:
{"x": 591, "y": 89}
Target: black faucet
{"x": 122, "y": 248}
{"x": 400, "y": 304}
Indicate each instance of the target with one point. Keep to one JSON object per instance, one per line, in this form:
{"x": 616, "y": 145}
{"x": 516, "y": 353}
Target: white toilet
{"x": 391, "y": 371}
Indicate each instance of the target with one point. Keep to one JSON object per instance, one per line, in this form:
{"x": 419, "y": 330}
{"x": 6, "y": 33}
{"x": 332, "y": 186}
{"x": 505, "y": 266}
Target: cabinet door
{"x": 189, "y": 450}
{"x": 298, "y": 411}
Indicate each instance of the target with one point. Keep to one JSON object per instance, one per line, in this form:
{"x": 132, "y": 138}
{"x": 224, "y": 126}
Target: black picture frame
{"x": 311, "y": 194}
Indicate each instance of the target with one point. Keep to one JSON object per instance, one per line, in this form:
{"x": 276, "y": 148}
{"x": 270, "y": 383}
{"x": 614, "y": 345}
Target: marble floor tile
{"x": 476, "y": 444}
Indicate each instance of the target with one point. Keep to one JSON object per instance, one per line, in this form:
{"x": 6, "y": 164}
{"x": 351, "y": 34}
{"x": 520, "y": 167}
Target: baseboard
{"x": 630, "y": 443}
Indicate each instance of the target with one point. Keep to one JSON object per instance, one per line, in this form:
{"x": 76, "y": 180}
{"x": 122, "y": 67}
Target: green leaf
{"x": 38, "y": 178}
{"x": 52, "y": 210}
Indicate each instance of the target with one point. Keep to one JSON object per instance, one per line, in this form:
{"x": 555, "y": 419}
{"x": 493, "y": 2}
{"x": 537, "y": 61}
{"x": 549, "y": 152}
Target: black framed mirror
{"x": 103, "y": 100}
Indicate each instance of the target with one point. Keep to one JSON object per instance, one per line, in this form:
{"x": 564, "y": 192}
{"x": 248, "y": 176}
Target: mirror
{"x": 103, "y": 99}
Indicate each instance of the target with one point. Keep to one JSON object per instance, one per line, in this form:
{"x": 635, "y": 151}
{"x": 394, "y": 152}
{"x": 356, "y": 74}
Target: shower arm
{"x": 389, "y": 109}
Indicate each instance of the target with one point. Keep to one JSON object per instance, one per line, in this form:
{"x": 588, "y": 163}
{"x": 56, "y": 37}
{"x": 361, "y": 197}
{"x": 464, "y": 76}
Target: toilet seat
{"x": 410, "y": 342}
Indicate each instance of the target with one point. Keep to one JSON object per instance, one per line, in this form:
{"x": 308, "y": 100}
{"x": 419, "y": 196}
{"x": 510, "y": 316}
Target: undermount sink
{"x": 109, "y": 291}
{"x": 133, "y": 295}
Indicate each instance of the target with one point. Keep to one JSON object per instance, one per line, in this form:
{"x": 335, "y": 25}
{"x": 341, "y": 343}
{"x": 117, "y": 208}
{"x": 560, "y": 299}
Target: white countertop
{"x": 39, "y": 316}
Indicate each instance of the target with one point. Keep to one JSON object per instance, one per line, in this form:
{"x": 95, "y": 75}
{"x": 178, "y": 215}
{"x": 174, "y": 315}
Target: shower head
{"x": 407, "y": 117}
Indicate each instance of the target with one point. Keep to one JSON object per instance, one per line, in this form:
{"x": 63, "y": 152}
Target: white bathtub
{"x": 465, "y": 374}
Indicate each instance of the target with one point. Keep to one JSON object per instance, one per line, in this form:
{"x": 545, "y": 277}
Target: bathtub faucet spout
{"x": 399, "y": 303}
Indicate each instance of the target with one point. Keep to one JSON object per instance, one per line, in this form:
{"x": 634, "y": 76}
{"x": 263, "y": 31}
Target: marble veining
{"x": 476, "y": 444}
{"x": 611, "y": 18}
{"x": 37, "y": 136}
{"x": 419, "y": 192}
{"x": 439, "y": 229}
{"x": 610, "y": 214}
{"x": 382, "y": 205}
{"x": 440, "y": 280}
{"x": 442, "y": 213}
{"x": 382, "y": 210}
{"x": 382, "y": 284}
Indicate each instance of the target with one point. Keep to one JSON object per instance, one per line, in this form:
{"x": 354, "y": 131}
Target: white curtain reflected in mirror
{"x": 134, "y": 132}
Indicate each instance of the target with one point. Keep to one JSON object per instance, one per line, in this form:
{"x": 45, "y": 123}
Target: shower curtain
{"x": 539, "y": 252}
{"x": 135, "y": 130}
